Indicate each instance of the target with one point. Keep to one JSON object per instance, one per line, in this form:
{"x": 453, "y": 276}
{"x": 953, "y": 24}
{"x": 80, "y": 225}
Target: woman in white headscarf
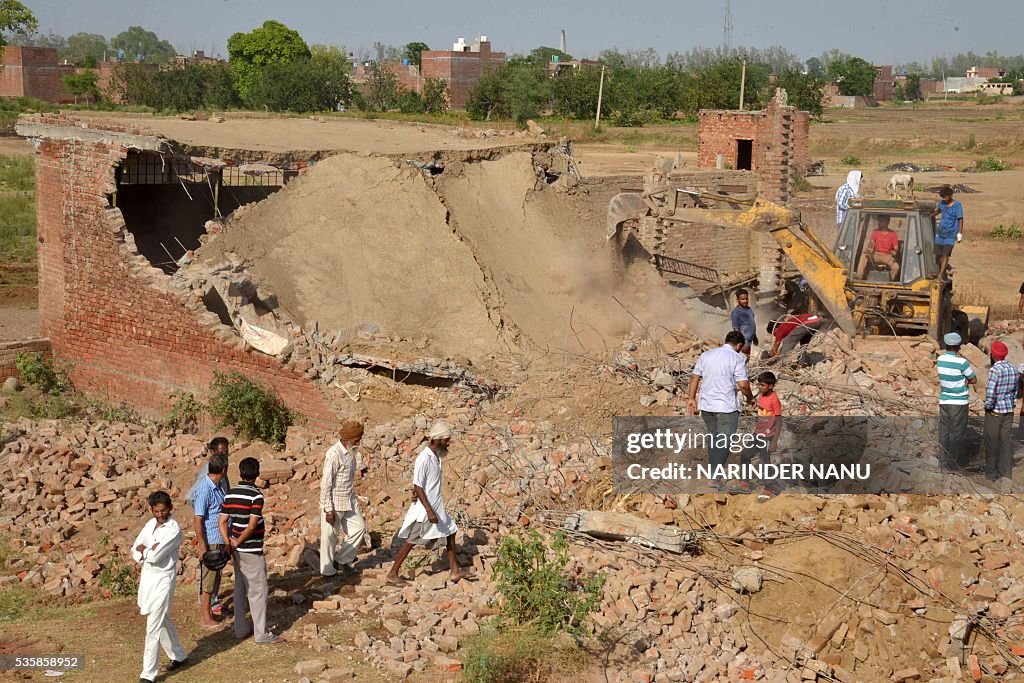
{"x": 846, "y": 192}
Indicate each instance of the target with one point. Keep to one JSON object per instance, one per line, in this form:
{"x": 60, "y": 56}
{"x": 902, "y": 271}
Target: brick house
{"x": 34, "y": 72}
{"x": 461, "y": 67}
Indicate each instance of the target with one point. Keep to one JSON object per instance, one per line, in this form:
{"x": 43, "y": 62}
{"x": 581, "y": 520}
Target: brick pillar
{"x": 778, "y": 136}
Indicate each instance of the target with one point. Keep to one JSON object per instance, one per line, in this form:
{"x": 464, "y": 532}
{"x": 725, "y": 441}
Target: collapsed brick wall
{"x": 131, "y": 331}
{"x": 730, "y": 252}
{"x": 9, "y": 351}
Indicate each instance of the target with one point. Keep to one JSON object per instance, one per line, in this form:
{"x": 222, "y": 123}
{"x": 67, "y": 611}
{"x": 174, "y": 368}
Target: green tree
{"x": 176, "y": 89}
{"x": 83, "y": 84}
{"x": 487, "y": 98}
{"x": 541, "y": 56}
{"x": 414, "y": 52}
{"x": 300, "y": 85}
{"x": 435, "y": 96}
{"x": 16, "y": 18}
{"x": 804, "y": 91}
{"x": 718, "y": 86}
{"x": 272, "y": 43}
{"x": 815, "y": 68}
{"x": 574, "y": 93}
{"x": 84, "y": 48}
{"x": 383, "y": 89}
{"x": 387, "y": 53}
{"x": 527, "y": 90}
{"x": 331, "y": 65}
{"x": 411, "y": 103}
{"x": 51, "y": 39}
{"x": 138, "y": 41}
{"x": 854, "y": 75}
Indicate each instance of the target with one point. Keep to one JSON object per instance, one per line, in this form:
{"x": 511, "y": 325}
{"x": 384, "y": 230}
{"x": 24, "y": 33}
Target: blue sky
{"x": 882, "y": 31}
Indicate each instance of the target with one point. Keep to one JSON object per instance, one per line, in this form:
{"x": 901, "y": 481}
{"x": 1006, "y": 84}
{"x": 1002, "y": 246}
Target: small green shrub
{"x": 971, "y": 142}
{"x": 990, "y": 164}
{"x": 118, "y": 577}
{"x": 634, "y": 118}
{"x": 522, "y": 654}
{"x": 1009, "y": 232}
{"x": 102, "y": 409}
{"x": 185, "y": 412}
{"x": 252, "y": 410}
{"x": 7, "y": 552}
{"x": 15, "y": 599}
{"x": 850, "y": 160}
{"x": 52, "y": 407}
{"x": 535, "y": 588}
{"x": 40, "y": 371}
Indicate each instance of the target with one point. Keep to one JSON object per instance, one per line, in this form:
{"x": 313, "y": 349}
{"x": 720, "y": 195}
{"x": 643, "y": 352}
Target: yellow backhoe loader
{"x": 863, "y": 296}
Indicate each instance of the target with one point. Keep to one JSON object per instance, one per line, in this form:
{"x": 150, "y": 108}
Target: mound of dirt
{"x": 480, "y": 260}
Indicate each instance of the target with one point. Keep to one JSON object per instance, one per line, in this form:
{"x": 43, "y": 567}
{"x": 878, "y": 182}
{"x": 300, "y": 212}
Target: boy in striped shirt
{"x": 955, "y": 374}
{"x": 241, "y": 522}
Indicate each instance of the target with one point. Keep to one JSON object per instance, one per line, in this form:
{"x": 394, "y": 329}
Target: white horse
{"x": 903, "y": 181}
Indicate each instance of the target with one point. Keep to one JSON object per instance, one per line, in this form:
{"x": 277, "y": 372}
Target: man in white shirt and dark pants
{"x": 156, "y": 550}
{"x": 339, "y": 504}
{"x": 718, "y": 374}
{"x": 427, "y": 522}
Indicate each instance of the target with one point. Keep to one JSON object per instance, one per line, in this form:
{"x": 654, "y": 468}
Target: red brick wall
{"x": 801, "y": 138}
{"x": 718, "y": 131}
{"x": 126, "y": 328}
{"x": 34, "y": 72}
{"x": 9, "y": 351}
{"x": 408, "y": 76}
{"x": 462, "y": 70}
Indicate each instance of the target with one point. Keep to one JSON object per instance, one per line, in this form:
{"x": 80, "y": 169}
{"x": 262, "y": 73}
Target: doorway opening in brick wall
{"x": 744, "y": 155}
{"x": 167, "y": 200}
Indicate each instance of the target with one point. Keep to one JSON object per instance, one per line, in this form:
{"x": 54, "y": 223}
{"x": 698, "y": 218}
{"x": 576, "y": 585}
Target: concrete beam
{"x": 149, "y": 143}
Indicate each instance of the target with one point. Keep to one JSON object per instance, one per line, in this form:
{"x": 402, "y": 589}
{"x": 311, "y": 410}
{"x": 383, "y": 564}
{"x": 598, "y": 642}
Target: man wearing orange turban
{"x": 339, "y": 504}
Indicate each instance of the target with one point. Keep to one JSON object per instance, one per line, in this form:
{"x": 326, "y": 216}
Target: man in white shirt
{"x": 156, "y": 549}
{"x": 339, "y": 504}
{"x": 427, "y": 522}
{"x": 717, "y": 375}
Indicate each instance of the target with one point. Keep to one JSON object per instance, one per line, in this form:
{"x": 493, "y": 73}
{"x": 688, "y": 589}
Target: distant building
{"x": 986, "y": 72}
{"x": 34, "y": 72}
{"x": 408, "y": 76}
{"x": 960, "y": 85}
{"x": 884, "y": 84}
{"x": 557, "y": 66}
{"x": 198, "y": 57}
{"x": 461, "y": 67}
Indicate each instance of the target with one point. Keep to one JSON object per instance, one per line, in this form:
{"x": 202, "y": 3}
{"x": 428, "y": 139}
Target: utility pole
{"x": 743, "y": 82}
{"x": 600, "y": 92}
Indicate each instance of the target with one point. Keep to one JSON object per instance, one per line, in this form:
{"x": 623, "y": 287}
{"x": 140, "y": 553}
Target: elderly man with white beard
{"x": 427, "y": 522}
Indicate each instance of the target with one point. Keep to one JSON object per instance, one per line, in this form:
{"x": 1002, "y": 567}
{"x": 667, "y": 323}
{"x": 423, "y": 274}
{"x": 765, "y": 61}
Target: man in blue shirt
{"x": 949, "y": 229}
{"x": 208, "y": 501}
{"x": 742, "y": 318}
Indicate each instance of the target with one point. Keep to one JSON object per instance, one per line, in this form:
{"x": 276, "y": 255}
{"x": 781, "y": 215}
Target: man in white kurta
{"x": 156, "y": 549}
{"x": 339, "y": 504}
{"x": 427, "y": 522}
